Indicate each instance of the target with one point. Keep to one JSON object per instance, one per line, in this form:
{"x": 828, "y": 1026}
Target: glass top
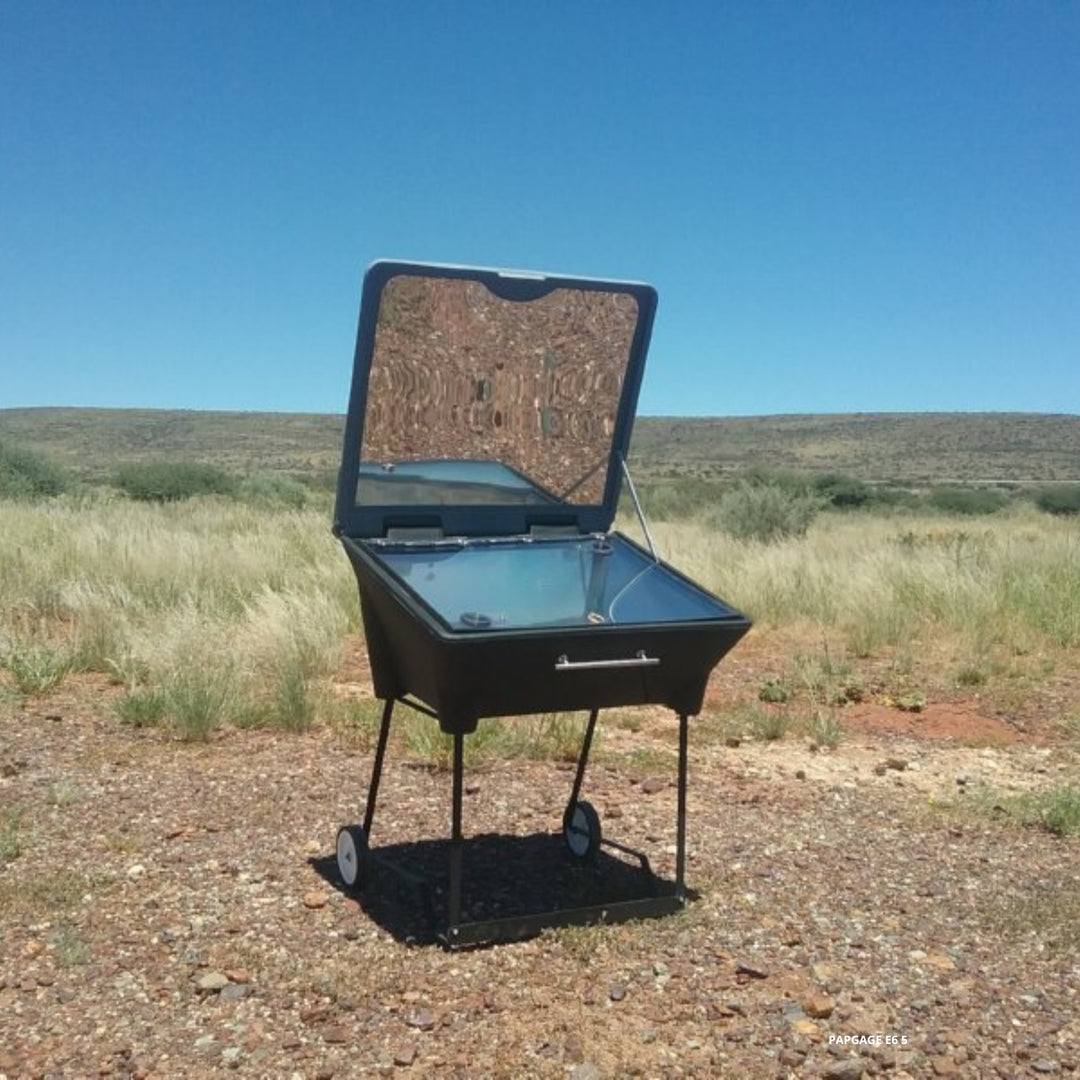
{"x": 587, "y": 581}
{"x": 477, "y": 387}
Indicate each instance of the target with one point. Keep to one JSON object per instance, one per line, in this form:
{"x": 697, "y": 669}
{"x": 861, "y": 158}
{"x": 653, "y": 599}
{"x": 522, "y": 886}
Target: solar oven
{"x": 484, "y": 458}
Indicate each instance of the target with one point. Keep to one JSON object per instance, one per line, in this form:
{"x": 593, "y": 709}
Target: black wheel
{"x": 581, "y": 830}
{"x": 351, "y": 855}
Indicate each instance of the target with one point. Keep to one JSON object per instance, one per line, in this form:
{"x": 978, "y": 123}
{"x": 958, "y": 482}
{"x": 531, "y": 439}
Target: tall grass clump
{"x": 209, "y": 611}
{"x": 876, "y": 584}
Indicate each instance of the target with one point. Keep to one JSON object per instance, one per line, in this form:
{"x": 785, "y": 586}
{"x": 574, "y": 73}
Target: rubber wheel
{"x": 351, "y": 855}
{"x": 581, "y": 831}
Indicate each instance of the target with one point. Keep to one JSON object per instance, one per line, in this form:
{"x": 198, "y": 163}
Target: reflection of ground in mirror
{"x": 502, "y": 877}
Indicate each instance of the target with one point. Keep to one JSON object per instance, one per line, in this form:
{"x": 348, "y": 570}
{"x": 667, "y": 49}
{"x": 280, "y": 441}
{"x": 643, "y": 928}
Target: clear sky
{"x": 845, "y": 206}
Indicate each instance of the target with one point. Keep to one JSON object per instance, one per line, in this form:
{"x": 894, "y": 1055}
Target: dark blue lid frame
{"x": 375, "y": 519}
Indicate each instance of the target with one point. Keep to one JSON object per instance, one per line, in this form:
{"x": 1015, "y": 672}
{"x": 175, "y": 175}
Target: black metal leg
{"x": 583, "y": 760}
{"x": 376, "y": 768}
{"x": 454, "y": 913}
{"x": 680, "y": 821}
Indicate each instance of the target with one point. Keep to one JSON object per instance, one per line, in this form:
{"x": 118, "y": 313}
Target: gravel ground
{"x": 169, "y": 910}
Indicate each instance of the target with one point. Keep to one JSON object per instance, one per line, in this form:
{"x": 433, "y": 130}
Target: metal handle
{"x": 564, "y": 663}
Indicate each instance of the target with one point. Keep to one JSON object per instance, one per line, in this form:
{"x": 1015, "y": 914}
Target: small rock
{"x": 405, "y": 1055}
{"x": 617, "y": 992}
{"x": 941, "y": 962}
{"x": 212, "y": 982}
{"x": 65, "y": 995}
{"x": 423, "y": 1019}
{"x": 791, "y": 1058}
{"x": 231, "y": 1056}
{"x": 584, "y": 1072}
{"x": 314, "y": 900}
{"x": 733, "y": 742}
{"x": 819, "y": 1006}
{"x": 896, "y": 764}
{"x": 233, "y": 992}
{"x": 573, "y": 1049}
{"x": 800, "y": 774}
{"x": 335, "y": 1033}
{"x": 943, "y": 1065}
{"x": 1043, "y": 1066}
{"x": 312, "y": 847}
{"x": 238, "y": 975}
{"x": 136, "y": 871}
{"x": 806, "y": 1027}
{"x": 652, "y": 785}
{"x": 750, "y": 971}
{"x": 849, "y": 1069}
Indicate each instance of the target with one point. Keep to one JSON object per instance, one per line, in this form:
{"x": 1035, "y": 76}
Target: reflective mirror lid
{"x": 489, "y": 402}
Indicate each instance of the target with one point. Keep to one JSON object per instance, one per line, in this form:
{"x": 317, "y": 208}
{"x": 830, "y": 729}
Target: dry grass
{"x": 216, "y": 611}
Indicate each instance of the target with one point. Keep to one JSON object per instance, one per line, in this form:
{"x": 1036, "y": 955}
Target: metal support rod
{"x": 583, "y": 760}
{"x": 637, "y": 508}
{"x": 454, "y": 913}
{"x": 680, "y": 817}
{"x": 376, "y": 768}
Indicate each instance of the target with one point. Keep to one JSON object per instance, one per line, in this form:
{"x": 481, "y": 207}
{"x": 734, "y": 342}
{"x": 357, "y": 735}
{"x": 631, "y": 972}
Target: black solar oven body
{"x": 481, "y": 661}
{"x": 484, "y": 458}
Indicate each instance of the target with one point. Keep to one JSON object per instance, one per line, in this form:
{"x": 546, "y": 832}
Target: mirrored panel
{"x": 473, "y": 398}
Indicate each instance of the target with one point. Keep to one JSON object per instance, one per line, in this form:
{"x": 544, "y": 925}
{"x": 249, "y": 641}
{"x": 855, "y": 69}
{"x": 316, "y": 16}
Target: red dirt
{"x": 959, "y": 721}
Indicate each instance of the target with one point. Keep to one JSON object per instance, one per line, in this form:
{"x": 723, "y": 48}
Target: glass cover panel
{"x": 561, "y": 582}
{"x": 473, "y": 398}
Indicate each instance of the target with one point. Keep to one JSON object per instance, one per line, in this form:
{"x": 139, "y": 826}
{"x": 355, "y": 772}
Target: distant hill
{"x": 915, "y": 449}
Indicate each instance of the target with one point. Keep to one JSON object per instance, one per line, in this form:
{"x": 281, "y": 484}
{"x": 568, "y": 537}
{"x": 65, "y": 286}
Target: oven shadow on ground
{"x": 511, "y": 877}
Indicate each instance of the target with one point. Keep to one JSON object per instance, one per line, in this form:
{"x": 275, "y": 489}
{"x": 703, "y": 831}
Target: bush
{"x": 274, "y": 489}
{"x": 671, "y": 500}
{"x": 26, "y": 475}
{"x": 1059, "y": 500}
{"x": 766, "y": 512}
{"x": 966, "y": 500}
{"x": 168, "y": 481}
{"x": 843, "y": 492}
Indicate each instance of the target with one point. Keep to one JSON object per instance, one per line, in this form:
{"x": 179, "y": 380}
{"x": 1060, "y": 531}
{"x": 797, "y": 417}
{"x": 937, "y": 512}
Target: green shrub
{"x": 1059, "y": 500}
{"x": 766, "y": 512}
{"x": 36, "y": 669}
{"x": 824, "y": 729}
{"x": 966, "y": 500}
{"x": 843, "y": 492}
{"x": 12, "y": 840}
{"x": 26, "y": 475}
{"x": 142, "y": 707}
{"x": 674, "y": 499}
{"x": 769, "y": 726}
{"x": 274, "y": 490}
{"x": 293, "y": 706}
{"x": 197, "y": 702}
{"x": 168, "y": 481}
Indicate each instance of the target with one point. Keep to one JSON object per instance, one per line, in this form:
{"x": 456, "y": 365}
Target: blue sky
{"x": 844, "y": 206}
